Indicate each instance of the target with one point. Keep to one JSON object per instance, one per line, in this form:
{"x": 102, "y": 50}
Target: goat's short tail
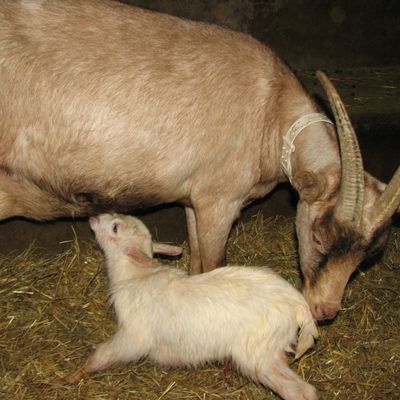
{"x": 308, "y": 331}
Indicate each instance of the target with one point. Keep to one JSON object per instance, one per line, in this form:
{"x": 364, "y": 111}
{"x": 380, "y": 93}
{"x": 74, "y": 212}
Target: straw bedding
{"x": 54, "y": 312}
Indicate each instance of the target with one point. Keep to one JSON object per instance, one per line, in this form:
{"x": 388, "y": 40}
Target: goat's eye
{"x": 115, "y": 227}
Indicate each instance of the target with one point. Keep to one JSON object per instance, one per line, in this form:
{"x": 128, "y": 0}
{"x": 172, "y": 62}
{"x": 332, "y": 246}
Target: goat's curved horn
{"x": 387, "y": 204}
{"x": 351, "y": 197}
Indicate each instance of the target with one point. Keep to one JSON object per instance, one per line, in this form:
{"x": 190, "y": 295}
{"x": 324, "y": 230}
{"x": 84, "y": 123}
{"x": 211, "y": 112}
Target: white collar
{"x": 288, "y": 147}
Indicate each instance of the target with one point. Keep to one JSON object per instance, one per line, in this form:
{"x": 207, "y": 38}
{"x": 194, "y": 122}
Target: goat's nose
{"x": 324, "y": 312}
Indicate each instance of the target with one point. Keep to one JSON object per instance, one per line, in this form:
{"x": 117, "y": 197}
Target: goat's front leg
{"x": 195, "y": 259}
{"x": 104, "y": 357}
{"x": 214, "y": 220}
{"x": 116, "y": 350}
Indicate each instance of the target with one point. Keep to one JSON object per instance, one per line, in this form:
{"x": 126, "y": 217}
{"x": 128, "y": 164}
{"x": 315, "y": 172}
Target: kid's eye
{"x": 115, "y": 227}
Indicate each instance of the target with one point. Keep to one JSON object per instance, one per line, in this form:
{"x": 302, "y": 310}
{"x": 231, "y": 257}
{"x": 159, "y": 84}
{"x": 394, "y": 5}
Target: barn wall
{"x": 305, "y": 33}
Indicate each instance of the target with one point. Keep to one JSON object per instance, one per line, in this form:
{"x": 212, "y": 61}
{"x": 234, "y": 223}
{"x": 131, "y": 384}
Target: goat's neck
{"x": 316, "y": 147}
{"x": 121, "y": 268}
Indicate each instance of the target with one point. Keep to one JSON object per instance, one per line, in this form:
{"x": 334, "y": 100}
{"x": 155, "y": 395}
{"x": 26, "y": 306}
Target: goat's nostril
{"x": 324, "y": 312}
{"x": 330, "y": 312}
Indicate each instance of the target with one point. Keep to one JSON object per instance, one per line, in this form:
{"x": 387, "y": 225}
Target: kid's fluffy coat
{"x": 247, "y": 314}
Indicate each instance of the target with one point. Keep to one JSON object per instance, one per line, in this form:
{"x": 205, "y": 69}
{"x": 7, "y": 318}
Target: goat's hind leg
{"x": 19, "y": 197}
{"x": 277, "y": 375}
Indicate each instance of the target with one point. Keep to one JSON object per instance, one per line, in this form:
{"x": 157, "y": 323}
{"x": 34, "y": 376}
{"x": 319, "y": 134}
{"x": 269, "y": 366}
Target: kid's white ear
{"x": 140, "y": 258}
{"x": 167, "y": 249}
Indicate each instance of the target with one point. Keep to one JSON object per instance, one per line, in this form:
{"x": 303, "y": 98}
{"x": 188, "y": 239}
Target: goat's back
{"x": 93, "y": 92}
{"x": 224, "y": 313}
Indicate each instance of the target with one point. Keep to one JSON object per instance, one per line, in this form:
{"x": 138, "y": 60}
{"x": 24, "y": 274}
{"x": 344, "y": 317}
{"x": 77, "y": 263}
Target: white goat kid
{"x": 246, "y": 314}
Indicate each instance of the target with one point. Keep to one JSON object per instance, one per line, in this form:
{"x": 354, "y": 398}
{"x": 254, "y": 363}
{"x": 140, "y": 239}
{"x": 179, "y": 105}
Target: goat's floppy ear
{"x": 140, "y": 258}
{"x": 309, "y": 186}
{"x": 167, "y": 249}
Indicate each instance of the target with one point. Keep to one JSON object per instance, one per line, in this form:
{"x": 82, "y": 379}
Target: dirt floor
{"x": 370, "y": 94}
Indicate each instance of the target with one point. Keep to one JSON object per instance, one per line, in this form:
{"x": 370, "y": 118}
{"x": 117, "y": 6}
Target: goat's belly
{"x": 188, "y": 356}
